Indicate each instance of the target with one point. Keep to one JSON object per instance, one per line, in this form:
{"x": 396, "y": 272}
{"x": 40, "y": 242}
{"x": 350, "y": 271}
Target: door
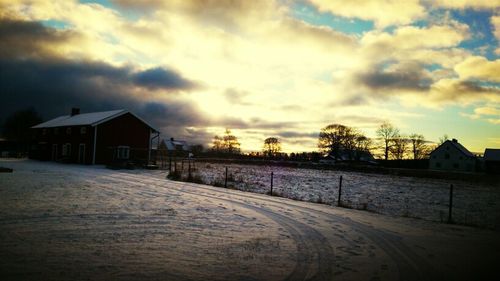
{"x": 81, "y": 153}
{"x": 54, "y": 152}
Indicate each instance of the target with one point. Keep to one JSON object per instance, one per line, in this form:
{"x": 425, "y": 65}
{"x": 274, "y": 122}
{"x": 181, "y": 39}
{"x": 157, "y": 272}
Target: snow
{"x": 89, "y": 223}
{"x": 80, "y": 119}
{"x": 75, "y": 222}
{"x": 473, "y": 203}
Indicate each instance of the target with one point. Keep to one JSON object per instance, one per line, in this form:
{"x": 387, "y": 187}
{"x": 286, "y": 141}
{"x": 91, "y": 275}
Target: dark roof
{"x": 92, "y": 119}
{"x": 492, "y": 154}
{"x": 457, "y": 145}
{"x": 174, "y": 144}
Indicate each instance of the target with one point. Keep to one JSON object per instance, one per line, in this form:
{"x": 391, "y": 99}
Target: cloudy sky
{"x": 262, "y": 68}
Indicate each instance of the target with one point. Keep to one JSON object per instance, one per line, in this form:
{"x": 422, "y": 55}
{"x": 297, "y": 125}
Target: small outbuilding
{"x": 452, "y": 156}
{"x": 94, "y": 138}
{"x": 492, "y": 160}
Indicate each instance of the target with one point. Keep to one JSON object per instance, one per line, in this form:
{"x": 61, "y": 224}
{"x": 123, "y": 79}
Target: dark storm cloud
{"x": 33, "y": 76}
{"x": 295, "y": 134}
{"x": 26, "y": 39}
{"x": 56, "y": 86}
{"x": 403, "y": 77}
{"x": 160, "y": 78}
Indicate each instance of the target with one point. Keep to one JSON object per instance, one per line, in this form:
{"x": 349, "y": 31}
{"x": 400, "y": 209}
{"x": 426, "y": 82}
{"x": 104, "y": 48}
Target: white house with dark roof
{"x": 452, "y": 156}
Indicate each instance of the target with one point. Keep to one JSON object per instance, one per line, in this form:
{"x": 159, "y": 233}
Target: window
{"x": 44, "y": 132}
{"x": 66, "y": 149}
{"x": 68, "y": 131}
{"x": 438, "y": 165}
{"x": 122, "y": 152}
{"x": 447, "y": 156}
{"x": 56, "y": 131}
{"x": 83, "y": 130}
{"x": 456, "y": 166}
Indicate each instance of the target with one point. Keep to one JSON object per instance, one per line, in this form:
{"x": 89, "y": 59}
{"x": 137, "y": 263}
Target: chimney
{"x": 454, "y": 140}
{"x": 75, "y": 111}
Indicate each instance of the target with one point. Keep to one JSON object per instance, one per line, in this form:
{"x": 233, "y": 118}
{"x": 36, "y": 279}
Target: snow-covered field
{"x": 73, "y": 222}
{"x": 473, "y": 203}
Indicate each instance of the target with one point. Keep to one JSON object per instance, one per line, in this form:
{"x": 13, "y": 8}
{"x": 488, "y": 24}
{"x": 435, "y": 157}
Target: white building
{"x": 452, "y": 156}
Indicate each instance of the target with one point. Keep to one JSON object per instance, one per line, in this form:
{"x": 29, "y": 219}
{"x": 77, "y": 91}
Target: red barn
{"x": 94, "y": 138}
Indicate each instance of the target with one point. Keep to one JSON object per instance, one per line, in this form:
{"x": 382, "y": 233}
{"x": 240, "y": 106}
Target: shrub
{"x": 174, "y": 175}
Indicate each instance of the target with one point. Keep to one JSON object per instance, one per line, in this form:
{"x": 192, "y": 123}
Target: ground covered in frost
{"x": 76, "y": 222}
{"x": 475, "y": 204}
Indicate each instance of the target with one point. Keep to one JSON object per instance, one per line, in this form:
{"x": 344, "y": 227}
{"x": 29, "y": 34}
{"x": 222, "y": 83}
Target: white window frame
{"x": 66, "y": 149}
{"x": 123, "y": 152}
{"x": 80, "y": 158}
{"x": 68, "y": 131}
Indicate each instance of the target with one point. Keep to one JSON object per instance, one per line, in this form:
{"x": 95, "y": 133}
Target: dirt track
{"x": 71, "y": 222}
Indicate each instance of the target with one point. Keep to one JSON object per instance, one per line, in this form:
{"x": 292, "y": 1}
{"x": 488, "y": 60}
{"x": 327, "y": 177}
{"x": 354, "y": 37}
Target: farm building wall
{"x": 447, "y": 157}
{"x": 123, "y": 131}
{"x": 71, "y": 144}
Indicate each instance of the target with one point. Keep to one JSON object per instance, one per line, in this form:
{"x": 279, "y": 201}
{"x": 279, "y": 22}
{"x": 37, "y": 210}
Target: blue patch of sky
{"x": 129, "y": 14}
{"x": 482, "y": 41}
{"x": 311, "y": 15}
{"x": 105, "y": 3}
{"x": 433, "y": 67}
{"x": 488, "y": 84}
{"x": 55, "y": 24}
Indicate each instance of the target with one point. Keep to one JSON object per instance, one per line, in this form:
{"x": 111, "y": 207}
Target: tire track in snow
{"x": 410, "y": 265}
{"x": 311, "y": 244}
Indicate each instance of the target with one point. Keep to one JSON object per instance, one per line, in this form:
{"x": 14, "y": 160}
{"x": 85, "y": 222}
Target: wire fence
{"x": 476, "y": 204}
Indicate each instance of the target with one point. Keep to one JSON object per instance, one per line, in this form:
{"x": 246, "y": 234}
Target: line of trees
{"x": 226, "y": 144}
{"x": 333, "y": 139}
{"x": 399, "y": 146}
{"x": 337, "y": 139}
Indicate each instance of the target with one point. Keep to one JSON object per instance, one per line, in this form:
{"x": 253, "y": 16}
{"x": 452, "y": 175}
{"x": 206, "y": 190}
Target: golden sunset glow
{"x": 262, "y": 68}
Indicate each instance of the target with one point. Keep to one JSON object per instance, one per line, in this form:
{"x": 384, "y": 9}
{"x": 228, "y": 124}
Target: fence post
{"x": 272, "y": 175}
{"x": 225, "y": 181}
{"x": 451, "y": 204}
{"x": 340, "y": 190}
{"x": 170, "y": 163}
{"x": 189, "y": 169}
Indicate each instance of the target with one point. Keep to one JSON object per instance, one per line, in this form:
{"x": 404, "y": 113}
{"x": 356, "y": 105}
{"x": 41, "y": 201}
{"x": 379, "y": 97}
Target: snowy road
{"x": 63, "y": 222}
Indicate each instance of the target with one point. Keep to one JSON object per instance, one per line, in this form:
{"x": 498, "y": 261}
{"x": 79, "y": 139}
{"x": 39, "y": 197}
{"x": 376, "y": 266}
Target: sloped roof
{"x": 173, "y": 144}
{"x": 92, "y": 119}
{"x": 492, "y": 154}
{"x": 460, "y": 148}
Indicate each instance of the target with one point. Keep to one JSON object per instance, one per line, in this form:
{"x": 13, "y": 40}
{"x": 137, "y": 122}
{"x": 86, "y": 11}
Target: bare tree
{"x": 387, "y": 132}
{"x": 272, "y": 146}
{"x": 399, "y": 147}
{"x": 226, "y": 144}
{"x": 334, "y": 137}
{"x": 443, "y": 139}
{"x": 17, "y": 125}
{"x": 217, "y": 144}
{"x": 363, "y": 143}
{"x": 418, "y": 146}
